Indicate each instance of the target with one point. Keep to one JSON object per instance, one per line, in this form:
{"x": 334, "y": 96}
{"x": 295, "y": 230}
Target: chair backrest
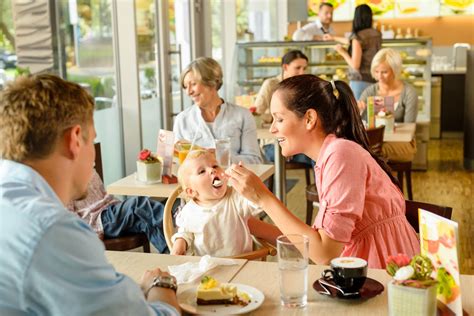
{"x": 412, "y": 211}
{"x": 168, "y": 226}
{"x": 261, "y": 253}
{"x": 375, "y": 136}
{"x": 98, "y": 161}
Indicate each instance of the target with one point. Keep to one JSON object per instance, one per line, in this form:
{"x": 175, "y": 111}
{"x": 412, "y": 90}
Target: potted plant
{"x": 413, "y": 289}
{"x": 149, "y": 167}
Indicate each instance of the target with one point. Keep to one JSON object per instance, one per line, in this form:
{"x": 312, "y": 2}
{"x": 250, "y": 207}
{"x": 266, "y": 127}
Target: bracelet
{"x": 167, "y": 282}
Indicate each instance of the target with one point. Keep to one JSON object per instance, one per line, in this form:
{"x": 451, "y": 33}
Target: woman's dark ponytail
{"x": 351, "y": 127}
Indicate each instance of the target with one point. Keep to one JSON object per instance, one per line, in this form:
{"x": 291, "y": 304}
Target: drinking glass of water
{"x": 223, "y": 152}
{"x": 293, "y": 269}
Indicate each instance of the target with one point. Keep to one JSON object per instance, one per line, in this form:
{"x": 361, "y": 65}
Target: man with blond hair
{"x": 52, "y": 262}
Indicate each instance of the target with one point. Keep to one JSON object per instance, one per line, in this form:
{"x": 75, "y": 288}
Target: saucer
{"x": 370, "y": 289}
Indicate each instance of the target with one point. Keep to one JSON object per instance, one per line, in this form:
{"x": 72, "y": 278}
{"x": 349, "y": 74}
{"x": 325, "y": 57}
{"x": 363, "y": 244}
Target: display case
{"x": 257, "y": 61}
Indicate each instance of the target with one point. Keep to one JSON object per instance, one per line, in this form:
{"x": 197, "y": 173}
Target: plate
{"x": 370, "y": 289}
{"x": 187, "y": 301}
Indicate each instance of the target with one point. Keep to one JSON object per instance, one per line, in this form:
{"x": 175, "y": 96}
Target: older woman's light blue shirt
{"x": 52, "y": 263}
{"x": 232, "y": 121}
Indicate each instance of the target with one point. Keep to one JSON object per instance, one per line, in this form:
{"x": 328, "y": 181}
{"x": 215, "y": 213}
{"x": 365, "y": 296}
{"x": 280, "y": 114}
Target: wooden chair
{"x": 312, "y": 199}
{"x": 403, "y": 168}
{"x": 264, "y": 248}
{"x": 412, "y": 211}
{"x": 376, "y": 141}
{"x": 125, "y": 242}
{"x": 375, "y": 136}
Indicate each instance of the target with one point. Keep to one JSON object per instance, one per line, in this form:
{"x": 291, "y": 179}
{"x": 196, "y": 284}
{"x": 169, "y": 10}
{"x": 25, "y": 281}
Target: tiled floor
{"x": 444, "y": 183}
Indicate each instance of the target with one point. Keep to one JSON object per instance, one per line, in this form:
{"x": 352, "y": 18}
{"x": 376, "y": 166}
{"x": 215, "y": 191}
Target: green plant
{"x": 414, "y": 272}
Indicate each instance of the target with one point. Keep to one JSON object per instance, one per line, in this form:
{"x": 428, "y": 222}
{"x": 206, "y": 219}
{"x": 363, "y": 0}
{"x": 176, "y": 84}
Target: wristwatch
{"x": 164, "y": 281}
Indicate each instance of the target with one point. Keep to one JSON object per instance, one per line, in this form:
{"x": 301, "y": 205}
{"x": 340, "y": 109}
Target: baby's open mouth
{"x": 217, "y": 183}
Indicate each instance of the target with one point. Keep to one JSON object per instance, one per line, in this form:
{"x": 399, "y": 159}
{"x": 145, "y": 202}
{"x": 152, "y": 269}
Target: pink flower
{"x": 400, "y": 260}
{"x": 144, "y": 154}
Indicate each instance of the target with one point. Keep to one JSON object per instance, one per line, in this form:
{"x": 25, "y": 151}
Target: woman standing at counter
{"x": 363, "y": 44}
{"x": 211, "y": 117}
{"x": 362, "y": 210}
{"x": 386, "y": 69}
{"x": 293, "y": 63}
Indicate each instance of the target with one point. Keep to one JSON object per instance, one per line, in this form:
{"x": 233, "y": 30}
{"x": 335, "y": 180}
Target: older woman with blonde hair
{"x": 386, "y": 68}
{"x": 213, "y": 118}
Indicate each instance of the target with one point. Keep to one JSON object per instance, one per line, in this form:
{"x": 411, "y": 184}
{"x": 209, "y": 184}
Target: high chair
{"x": 262, "y": 247}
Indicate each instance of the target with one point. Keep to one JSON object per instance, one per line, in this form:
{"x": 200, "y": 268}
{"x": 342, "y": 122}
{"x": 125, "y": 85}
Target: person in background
{"x": 386, "y": 68}
{"x": 362, "y": 210}
{"x": 364, "y": 43}
{"x": 211, "y": 117}
{"x": 111, "y": 218}
{"x": 293, "y": 63}
{"x": 52, "y": 262}
{"x": 216, "y": 221}
{"x": 315, "y": 30}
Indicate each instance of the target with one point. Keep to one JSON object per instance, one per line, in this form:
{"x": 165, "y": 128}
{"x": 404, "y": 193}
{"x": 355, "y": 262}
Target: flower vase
{"x": 149, "y": 172}
{"x": 388, "y": 121}
{"x": 407, "y": 300}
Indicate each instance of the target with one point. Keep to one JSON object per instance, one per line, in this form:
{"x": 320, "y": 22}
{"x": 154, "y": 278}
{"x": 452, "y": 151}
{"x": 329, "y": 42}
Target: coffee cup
{"x": 348, "y": 273}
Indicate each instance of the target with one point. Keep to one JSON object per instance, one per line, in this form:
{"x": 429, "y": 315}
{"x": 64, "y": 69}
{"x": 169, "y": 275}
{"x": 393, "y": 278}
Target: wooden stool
{"x": 128, "y": 242}
{"x": 403, "y": 167}
{"x": 311, "y": 197}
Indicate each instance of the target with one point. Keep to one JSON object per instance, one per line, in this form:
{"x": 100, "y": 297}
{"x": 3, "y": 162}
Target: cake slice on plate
{"x": 211, "y": 292}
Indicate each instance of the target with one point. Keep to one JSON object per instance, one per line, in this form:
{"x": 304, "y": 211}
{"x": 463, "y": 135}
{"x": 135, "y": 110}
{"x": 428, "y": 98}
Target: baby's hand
{"x": 179, "y": 247}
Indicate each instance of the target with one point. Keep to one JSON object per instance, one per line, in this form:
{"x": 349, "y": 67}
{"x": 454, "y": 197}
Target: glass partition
{"x": 7, "y": 44}
{"x": 87, "y": 26}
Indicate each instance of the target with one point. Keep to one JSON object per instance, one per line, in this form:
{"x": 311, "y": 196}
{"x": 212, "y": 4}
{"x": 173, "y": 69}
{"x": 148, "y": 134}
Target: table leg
{"x": 280, "y": 174}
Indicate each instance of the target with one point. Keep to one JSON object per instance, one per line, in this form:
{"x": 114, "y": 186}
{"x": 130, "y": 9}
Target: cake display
{"x": 149, "y": 167}
{"x": 211, "y": 292}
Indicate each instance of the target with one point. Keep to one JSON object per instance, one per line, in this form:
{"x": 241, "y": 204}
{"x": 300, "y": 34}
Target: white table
{"x": 130, "y": 186}
{"x": 134, "y": 264}
{"x": 404, "y": 132}
{"x": 264, "y": 276}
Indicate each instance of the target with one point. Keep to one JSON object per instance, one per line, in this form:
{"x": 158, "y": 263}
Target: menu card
{"x": 439, "y": 237}
{"x": 165, "y": 149}
{"x": 376, "y": 104}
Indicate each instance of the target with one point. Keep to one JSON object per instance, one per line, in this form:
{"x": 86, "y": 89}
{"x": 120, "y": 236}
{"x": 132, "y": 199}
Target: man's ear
{"x": 73, "y": 141}
{"x": 310, "y": 118}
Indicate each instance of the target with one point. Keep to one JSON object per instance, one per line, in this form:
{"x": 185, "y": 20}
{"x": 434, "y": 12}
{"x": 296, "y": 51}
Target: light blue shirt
{"x": 52, "y": 263}
{"x": 232, "y": 121}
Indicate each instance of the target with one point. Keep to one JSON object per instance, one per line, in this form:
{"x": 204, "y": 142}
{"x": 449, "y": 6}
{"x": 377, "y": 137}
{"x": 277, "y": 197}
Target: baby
{"x": 217, "y": 221}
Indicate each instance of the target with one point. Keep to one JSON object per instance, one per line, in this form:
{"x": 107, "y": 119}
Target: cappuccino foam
{"x": 348, "y": 262}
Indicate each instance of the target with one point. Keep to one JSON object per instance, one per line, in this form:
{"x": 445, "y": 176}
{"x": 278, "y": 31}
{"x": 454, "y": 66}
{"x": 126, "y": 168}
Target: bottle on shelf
{"x": 408, "y": 33}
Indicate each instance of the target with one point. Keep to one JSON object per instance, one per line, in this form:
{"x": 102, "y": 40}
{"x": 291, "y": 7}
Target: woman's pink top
{"x": 359, "y": 204}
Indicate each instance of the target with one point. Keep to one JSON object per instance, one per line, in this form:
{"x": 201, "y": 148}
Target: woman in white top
{"x": 293, "y": 63}
{"x": 211, "y": 117}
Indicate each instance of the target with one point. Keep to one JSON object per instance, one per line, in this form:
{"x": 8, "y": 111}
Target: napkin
{"x": 190, "y": 271}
